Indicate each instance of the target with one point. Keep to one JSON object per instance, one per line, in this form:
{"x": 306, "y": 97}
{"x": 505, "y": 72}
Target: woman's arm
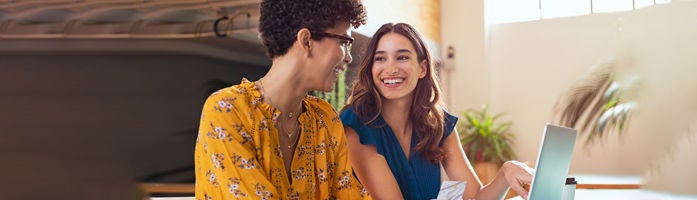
{"x": 225, "y": 157}
{"x": 344, "y": 185}
{"x": 514, "y": 174}
{"x": 371, "y": 168}
{"x": 458, "y": 167}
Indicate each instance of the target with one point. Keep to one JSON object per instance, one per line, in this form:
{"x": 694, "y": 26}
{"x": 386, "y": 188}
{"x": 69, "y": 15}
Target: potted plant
{"x": 484, "y": 139}
{"x": 599, "y": 104}
{"x": 487, "y": 142}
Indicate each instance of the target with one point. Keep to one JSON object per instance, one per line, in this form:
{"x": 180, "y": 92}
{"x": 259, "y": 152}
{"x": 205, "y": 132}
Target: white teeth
{"x": 392, "y": 81}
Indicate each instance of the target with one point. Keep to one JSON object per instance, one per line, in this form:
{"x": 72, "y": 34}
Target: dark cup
{"x": 569, "y": 191}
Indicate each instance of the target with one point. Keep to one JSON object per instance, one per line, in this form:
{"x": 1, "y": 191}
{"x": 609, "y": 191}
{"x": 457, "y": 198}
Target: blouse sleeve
{"x": 346, "y": 185}
{"x": 365, "y": 133}
{"x": 449, "y": 124}
{"x": 226, "y": 163}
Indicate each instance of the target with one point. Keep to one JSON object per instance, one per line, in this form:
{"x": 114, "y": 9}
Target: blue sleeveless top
{"x": 418, "y": 178}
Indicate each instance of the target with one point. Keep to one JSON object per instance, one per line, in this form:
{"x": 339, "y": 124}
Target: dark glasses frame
{"x": 345, "y": 40}
{"x": 332, "y": 35}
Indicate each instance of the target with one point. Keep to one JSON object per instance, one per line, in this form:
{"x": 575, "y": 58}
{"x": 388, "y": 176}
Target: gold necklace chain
{"x": 290, "y": 116}
{"x": 295, "y": 141}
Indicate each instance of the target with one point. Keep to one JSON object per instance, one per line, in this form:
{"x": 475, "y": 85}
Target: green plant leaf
{"x": 597, "y": 105}
{"x": 481, "y": 134}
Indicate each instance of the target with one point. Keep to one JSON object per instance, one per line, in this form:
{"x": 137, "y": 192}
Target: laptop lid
{"x": 553, "y": 162}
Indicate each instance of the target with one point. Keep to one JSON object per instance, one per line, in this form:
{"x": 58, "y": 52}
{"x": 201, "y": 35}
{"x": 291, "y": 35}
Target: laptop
{"x": 553, "y": 162}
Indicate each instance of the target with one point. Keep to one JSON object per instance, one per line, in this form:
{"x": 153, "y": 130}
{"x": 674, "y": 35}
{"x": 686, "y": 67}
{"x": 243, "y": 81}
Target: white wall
{"x": 531, "y": 64}
{"x": 466, "y": 78}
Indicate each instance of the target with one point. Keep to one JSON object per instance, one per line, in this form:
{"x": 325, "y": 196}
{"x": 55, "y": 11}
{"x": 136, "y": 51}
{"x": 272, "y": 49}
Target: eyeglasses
{"x": 344, "y": 40}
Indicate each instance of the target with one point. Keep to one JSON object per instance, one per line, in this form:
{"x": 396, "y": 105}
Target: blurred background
{"x": 98, "y": 97}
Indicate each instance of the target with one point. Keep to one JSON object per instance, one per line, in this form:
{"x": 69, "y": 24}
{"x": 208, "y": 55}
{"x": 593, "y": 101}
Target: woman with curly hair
{"x": 269, "y": 139}
{"x": 398, "y": 133}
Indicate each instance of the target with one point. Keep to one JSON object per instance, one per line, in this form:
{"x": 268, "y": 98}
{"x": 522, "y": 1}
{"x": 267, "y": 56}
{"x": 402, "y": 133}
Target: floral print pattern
{"x": 238, "y": 154}
{"x": 234, "y": 188}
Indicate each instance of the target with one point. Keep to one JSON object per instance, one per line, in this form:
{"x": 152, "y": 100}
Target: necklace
{"x": 295, "y": 141}
{"x": 290, "y": 132}
{"x": 263, "y": 92}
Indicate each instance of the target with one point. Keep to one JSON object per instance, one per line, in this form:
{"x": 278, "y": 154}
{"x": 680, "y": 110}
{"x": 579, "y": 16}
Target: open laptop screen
{"x": 553, "y": 162}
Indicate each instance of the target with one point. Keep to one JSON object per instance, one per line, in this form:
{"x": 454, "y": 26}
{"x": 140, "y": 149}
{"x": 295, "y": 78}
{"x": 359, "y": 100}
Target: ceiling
{"x": 20, "y": 19}
{"x": 219, "y": 29}
{"x": 133, "y": 26}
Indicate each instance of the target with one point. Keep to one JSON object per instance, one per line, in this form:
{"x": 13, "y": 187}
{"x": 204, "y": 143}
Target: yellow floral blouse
{"x": 238, "y": 155}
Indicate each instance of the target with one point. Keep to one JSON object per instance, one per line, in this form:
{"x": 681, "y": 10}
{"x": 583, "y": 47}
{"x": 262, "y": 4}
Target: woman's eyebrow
{"x": 398, "y": 51}
{"x": 403, "y": 51}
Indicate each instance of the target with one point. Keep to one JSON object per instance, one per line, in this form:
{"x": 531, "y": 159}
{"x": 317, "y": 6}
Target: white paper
{"x": 451, "y": 190}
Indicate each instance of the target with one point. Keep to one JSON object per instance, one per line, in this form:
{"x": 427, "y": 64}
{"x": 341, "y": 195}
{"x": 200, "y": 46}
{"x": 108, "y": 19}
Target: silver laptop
{"x": 553, "y": 162}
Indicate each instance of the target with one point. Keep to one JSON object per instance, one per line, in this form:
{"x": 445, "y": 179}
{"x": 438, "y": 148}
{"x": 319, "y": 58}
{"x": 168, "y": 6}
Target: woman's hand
{"x": 518, "y": 175}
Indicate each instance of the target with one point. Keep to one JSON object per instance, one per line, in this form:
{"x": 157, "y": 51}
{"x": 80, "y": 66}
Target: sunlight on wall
{"x": 424, "y": 15}
{"x": 665, "y": 127}
{"x": 663, "y": 178}
{"x": 533, "y": 63}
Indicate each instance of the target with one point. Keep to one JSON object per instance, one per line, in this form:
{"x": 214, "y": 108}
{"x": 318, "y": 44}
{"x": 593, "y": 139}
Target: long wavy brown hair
{"x": 426, "y": 113}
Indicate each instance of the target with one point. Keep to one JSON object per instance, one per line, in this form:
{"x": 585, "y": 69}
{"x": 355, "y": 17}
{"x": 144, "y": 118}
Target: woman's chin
{"x": 327, "y": 88}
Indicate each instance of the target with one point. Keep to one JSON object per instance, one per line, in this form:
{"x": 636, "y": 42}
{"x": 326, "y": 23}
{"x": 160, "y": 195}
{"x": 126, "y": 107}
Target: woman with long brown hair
{"x": 398, "y": 132}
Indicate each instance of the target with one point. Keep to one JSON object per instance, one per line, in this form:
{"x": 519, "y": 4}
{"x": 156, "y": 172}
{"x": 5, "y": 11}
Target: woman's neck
{"x": 282, "y": 88}
{"x": 396, "y": 114}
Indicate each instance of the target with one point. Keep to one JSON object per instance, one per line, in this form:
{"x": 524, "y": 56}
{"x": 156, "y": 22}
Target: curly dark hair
{"x": 280, "y": 20}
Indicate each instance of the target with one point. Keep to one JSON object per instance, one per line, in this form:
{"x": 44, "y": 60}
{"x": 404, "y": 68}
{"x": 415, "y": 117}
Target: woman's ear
{"x": 304, "y": 38}
{"x": 424, "y": 68}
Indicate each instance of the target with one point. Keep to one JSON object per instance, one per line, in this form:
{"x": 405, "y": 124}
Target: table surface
{"x": 581, "y": 194}
{"x": 616, "y": 187}
{"x": 624, "y": 194}
{"x": 601, "y": 181}
{"x": 590, "y": 186}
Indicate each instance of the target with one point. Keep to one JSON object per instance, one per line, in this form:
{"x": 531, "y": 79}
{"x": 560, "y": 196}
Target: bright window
{"x": 564, "y": 8}
{"x": 601, "y": 6}
{"x": 642, "y": 3}
{"x": 505, "y": 11}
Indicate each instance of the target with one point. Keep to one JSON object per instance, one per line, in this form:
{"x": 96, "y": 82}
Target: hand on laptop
{"x": 518, "y": 175}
